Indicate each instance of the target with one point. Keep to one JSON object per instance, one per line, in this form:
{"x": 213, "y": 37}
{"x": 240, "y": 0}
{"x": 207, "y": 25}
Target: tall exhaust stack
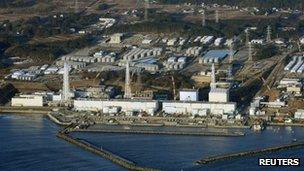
{"x": 66, "y": 84}
{"x": 212, "y": 84}
{"x": 231, "y": 52}
{"x": 128, "y": 93}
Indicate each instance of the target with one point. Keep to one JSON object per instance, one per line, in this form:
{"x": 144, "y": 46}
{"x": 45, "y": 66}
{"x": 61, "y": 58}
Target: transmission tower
{"x": 147, "y": 6}
{"x": 138, "y": 4}
{"x": 76, "y": 6}
{"x": 231, "y": 52}
{"x": 204, "y": 18}
{"x": 247, "y": 37}
{"x": 217, "y": 17}
{"x": 249, "y": 51}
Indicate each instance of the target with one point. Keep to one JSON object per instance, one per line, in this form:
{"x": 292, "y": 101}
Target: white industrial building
{"x": 188, "y": 95}
{"x": 116, "y": 38}
{"x": 72, "y": 64}
{"x": 175, "y": 63}
{"x": 172, "y": 42}
{"x": 138, "y": 53}
{"x": 27, "y": 101}
{"x": 219, "y": 41}
{"x": 127, "y": 106}
{"x": 206, "y": 40}
{"x": 51, "y": 70}
{"x": 219, "y": 95}
{"x": 299, "y": 114}
{"x": 257, "y": 41}
{"x": 195, "y": 51}
{"x": 198, "y": 108}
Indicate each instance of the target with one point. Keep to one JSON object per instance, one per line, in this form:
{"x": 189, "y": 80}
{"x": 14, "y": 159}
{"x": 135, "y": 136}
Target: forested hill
{"x": 294, "y": 4}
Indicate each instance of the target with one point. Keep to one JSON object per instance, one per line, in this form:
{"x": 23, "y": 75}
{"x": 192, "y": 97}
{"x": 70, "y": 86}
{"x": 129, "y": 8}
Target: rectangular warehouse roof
{"x": 221, "y": 54}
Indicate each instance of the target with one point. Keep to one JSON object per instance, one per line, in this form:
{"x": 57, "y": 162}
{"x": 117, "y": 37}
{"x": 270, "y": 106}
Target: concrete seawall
{"x": 25, "y": 110}
{"x": 136, "y": 131}
{"x": 248, "y": 153}
{"x": 103, "y": 153}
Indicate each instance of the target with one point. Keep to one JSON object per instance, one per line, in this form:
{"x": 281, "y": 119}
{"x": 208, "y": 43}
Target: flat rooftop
{"x": 221, "y": 54}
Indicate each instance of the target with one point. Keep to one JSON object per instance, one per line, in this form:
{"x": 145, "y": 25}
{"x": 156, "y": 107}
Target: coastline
{"x": 109, "y": 155}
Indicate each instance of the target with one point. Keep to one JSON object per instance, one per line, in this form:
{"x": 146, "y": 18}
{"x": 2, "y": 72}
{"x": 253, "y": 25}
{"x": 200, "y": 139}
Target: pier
{"x": 102, "y": 152}
{"x": 249, "y": 153}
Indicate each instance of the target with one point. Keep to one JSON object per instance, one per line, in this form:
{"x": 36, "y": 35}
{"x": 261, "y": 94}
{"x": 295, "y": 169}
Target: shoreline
{"x": 116, "y": 159}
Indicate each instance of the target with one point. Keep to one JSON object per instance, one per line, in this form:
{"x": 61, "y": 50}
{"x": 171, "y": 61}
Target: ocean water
{"x": 30, "y": 143}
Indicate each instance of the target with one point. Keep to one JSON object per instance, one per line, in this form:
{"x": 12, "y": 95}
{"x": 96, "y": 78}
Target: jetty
{"x": 249, "y": 153}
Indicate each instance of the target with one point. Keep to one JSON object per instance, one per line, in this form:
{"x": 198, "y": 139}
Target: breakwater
{"x": 103, "y": 153}
{"x": 159, "y": 132}
{"x": 249, "y": 153}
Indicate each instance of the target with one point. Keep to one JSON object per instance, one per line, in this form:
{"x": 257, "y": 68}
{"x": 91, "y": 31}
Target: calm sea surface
{"x": 30, "y": 143}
